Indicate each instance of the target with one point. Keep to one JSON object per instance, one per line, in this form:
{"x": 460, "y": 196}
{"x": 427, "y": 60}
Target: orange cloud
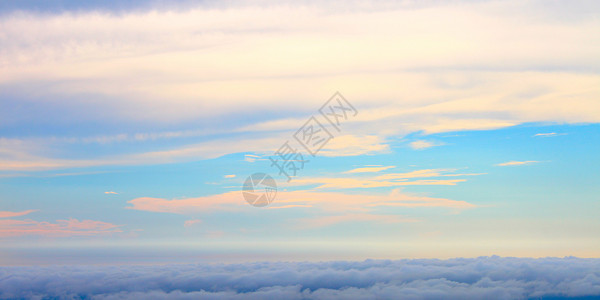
{"x": 62, "y": 228}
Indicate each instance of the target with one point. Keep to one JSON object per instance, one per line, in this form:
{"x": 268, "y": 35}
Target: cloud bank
{"x": 461, "y": 278}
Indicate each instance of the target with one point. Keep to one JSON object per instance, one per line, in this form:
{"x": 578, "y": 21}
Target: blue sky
{"x": 132, "y": 127}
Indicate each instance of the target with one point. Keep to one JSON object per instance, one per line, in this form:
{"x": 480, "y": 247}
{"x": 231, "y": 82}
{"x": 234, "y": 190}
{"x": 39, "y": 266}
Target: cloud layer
{"x": 461, "y": 278}
{"x": 480, "y": 65}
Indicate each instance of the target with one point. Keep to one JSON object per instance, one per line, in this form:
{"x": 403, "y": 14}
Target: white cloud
{"x": 353, "y": 145}
{"x": 460, "y": 278}
{"x": 517, "y": 163}
{"x": 111, "y": 192}
{"x": 371, "y": 169}
{"x": 549, "y": 134}
{"x": 386, "y": 180}
{"x": 422, "y": 144}
{"x": 229, "y": 176}
{"x": 211, "y": 67}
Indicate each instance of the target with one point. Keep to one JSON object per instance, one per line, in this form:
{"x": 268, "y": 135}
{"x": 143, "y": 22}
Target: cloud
{"x": 223, "y": 201}
{"x": 371, "y": 169}
{"x": 62, "y": 228}
{"x": 288, "y": 206}
{"x": 111, "y": 192}
{"x": 425, "y": 173}
{"x": 459, "y": 278}
{"x": 16, "y": 158}
{"x": 385, "y": 180}
{"x": 189, "y": 223}
{"x": 353, "y": 145}
{"x": 229, "y": 176}
{"x": 252, "y": 158}
{"x": 10, "y": 214}
{"x": 351, "y": 183}
{"x": 517, "y": 163}
{"x": 90, "y": 67}
{"x": 422, "y": 144}
{"x": 317, "y": 222}
{"x": 233, "y": 201}
{"x": 325, "y": 201}
{"x": 549, "y": 134}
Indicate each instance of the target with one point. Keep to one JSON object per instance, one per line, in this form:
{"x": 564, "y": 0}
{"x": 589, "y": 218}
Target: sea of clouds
{"x": 460, "y": 278}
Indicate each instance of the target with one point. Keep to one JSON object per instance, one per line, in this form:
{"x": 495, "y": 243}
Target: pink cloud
{"x": 330, "y": 201}
{"x": 188, "y": 205}
{"x": 62, "y": 228}
{"x": 10, "y": 214}
{"x": 189, "y": 223}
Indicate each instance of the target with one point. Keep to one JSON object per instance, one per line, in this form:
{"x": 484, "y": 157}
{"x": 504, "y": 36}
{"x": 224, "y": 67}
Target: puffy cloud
{"x": 460, "y": 278}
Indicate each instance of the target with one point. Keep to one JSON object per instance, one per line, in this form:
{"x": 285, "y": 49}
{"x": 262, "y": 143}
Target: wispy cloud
{"x": 549, "y": 134}
{"x": 229, "y": 176}
{"x": 423, "y": 144}
{"x": 350, "y": 183}
{"x": 385, "y": 180}
{"x": 10, "y": 214}
{"x": 354, "y": 145}
{"x": 369, "y": 169}
{"x": 324, "y": 221}
{"x": 189, "y": 223}
{"x": 62, "y": 228}
{"x": 288, "y": 206}
{"x": 328, "y": 201}
{"x": 517, "y": 163}
{"x": 111, "y": 192}
{"x": 425, "y": 173}
{"x": 119, "y": 58}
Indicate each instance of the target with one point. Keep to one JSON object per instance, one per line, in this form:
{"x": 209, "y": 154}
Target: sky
{"x": 468, "y": 128}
